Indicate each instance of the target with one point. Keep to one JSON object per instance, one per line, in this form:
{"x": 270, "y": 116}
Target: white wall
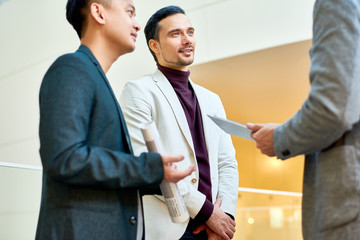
{"x": 34, "y": 33}
{"x": 19, "y": 203}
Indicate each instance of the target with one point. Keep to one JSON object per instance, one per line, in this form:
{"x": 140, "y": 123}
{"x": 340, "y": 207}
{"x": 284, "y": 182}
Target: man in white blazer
{"x": 327, "y": 128}
{"x": 179, "y": 109}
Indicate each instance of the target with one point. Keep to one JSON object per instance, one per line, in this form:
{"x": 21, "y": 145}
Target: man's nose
{"x": 136, "y": 25}
{"x": 186, "y": 39}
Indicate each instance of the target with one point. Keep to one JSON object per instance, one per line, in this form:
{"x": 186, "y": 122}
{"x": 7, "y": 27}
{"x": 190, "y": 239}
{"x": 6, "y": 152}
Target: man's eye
{"x": 131, "y": 12}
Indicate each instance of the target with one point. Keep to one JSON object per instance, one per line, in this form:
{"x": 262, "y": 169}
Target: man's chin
{"x": 129, "y": 49}
{"x": 188, "y": 62}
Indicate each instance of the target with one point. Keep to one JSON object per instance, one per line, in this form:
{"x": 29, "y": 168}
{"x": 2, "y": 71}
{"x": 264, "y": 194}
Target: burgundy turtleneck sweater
{"x": 186, "y": 95}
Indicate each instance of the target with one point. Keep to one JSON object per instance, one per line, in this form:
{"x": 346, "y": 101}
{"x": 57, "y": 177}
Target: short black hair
{"x": 74, "y": 14}
{"x": 77, "y": 10}
{"x": 152, "y": 26}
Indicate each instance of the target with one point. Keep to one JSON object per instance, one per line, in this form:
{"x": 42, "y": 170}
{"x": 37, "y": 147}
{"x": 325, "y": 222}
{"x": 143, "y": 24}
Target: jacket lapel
{"x": 88, "y": 53}
{"x": 170, "y": 95}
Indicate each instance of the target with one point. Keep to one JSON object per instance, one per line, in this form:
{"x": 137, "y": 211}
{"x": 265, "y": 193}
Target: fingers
{"x": 178, "y": 175}
{"x": 233, "y": 223}
{"x": 171, "y": 173}
{"x": 263, "y": 135}
{"x": 225, "y": 236}
{"x": 230, "y": 230}
{"x": 190, "y": 169}
{"x": 220, "y": 223}
{"x": 210, "y": 234}
{"x": 172, "y": 158}
{"x": 199, "y": 229}
{"x": 254, "y": 127}
{"x": 183, "y": 174}
{"x": 230, "y": 235}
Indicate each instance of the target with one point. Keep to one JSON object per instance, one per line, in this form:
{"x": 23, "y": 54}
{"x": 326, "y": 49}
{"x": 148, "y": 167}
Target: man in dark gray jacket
{"x": 90, "y": 176}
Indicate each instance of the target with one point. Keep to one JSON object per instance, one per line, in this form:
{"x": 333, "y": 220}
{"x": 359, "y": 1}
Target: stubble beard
{"x": 184, "y": 62}
{"x": 180, "y": 62}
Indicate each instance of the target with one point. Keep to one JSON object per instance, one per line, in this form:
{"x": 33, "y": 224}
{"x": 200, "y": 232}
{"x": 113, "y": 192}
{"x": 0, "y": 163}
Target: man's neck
{"x": 173, "y": 74}
{"x": 103, "y": 54}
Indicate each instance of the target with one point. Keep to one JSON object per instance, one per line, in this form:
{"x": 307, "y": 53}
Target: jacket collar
{"x": 167, "y": 90}
{"x": 85, "y": 50}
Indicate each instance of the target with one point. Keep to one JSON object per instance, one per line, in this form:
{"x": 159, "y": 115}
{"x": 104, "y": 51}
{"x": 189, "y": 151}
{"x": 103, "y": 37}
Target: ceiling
{"x": 41, "y": 24}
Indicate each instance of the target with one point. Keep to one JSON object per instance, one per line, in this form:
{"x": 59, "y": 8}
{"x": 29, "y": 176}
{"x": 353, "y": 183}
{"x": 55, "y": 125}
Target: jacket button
{"x": 285, "y": 153}
{"x": 194, "y": 180}
{"x": 132, "y": 220}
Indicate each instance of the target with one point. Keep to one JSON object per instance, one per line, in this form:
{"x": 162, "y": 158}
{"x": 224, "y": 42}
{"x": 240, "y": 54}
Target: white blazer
{"x": 152, "y": 98}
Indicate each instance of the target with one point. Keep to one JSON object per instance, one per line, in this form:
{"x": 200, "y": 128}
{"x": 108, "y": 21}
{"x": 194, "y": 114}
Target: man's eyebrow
{"x": 179, "y": 29}
{"x": 174, "y": 30}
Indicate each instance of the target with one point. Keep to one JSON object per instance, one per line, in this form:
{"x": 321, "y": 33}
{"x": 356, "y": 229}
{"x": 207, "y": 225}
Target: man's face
{"x": 122, "y": 28}
{"x": 176, "y": 45}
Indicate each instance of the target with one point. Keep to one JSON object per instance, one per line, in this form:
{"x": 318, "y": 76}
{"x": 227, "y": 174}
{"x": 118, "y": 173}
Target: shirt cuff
{"x": 205, "y": 212}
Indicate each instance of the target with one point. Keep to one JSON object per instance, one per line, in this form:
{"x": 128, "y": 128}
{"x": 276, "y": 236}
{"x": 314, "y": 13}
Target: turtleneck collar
{"x": 174, "y": 75}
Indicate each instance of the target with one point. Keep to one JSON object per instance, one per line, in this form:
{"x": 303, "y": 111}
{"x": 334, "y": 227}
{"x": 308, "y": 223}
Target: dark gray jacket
{"x": 90, "y": 175}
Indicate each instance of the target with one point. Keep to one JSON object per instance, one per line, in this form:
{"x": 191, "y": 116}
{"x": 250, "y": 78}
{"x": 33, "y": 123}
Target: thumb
{"x": 189, "y": 170}
{"x": 199, "y": 229}
{"x": 171, "y": 158}
{"x": 218, "y": 202}
{"x": 254, "y": 127}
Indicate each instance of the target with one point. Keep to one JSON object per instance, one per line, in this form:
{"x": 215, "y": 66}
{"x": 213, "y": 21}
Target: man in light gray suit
{"x": 327, "y": 128}
{"x": 179, "y": 108}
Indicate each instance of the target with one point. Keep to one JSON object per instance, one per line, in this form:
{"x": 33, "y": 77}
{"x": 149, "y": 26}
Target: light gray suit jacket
{"x": 152, "y": 98}
{"x": 331, "y": 200}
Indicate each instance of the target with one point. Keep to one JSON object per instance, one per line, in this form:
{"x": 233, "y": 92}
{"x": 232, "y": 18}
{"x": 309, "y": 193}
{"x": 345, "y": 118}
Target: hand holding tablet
{"x": 231, "y": 127}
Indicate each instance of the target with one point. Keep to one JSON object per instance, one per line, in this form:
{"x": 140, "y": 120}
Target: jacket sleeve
{"x": 333, "y": 105}
{"x": 227, "y": 168}
{"x": 66, "y": 107}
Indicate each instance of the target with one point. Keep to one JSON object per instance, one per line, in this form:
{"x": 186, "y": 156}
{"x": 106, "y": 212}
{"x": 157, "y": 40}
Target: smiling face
{"x": 176, "y": 45}
{"x": 122, "y": 28}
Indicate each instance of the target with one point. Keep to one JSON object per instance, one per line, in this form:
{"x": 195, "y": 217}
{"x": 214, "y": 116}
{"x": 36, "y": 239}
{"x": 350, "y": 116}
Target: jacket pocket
{"x": 337, "y": 197}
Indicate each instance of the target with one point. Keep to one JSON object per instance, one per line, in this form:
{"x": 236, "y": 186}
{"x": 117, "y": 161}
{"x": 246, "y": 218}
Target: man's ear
{"x": 154, "y": 45}
{"x": 97, "y": 13}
